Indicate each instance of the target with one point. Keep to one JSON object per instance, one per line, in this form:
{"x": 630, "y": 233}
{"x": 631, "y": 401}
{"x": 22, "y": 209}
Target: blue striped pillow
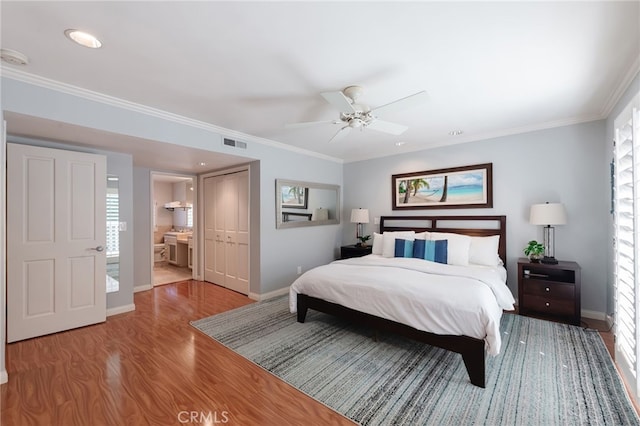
{"x": 404, "y": 248}
{"x": 435, "y": 251}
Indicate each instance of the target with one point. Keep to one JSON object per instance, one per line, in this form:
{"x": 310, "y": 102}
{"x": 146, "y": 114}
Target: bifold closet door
{"x": 227, "y": 231}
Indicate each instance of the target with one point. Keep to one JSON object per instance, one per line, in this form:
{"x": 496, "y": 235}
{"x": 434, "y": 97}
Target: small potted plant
{"x": 535, "y": 251}
{"x": 363, "y": 240}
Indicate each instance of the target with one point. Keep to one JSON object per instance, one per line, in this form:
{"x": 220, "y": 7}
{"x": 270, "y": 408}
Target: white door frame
{"x": 201, "y": 195}
{"x": 4, "y": 376}
{"x": 195, "y": 181}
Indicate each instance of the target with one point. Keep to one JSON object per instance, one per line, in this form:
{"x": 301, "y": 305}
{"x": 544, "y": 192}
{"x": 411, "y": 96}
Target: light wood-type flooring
{"x": 150, "y": 367}
{"x": 165, "y": 273}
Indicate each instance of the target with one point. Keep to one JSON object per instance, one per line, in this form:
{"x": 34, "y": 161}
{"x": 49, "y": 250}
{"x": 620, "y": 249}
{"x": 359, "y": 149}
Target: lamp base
{"x": 549, "y": 260}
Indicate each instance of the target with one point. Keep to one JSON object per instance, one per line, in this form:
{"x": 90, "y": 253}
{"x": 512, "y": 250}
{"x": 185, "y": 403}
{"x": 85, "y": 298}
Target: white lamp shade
{"x": 320, "y": 214}
{"x": 360, "y": 216}
{"x": 547, "y": 214}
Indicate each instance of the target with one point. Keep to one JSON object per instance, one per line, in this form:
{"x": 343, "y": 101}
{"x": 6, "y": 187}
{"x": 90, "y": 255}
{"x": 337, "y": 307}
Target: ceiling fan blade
{"x": 309, "y": 124}
{"x": 341, "y": 134}
{"x": 406, "y": 102}
{"x": 387, "y": 127}
{"x": 339, "y": 101}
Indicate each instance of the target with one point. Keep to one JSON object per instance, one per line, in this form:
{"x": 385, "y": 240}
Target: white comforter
{"x": 428, "y": 296}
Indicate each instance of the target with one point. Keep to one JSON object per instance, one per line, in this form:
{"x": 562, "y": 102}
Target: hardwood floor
{"x": 149, "y": 367}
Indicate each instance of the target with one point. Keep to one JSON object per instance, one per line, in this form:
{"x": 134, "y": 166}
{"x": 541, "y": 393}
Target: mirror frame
{"x": 311, "y": 185}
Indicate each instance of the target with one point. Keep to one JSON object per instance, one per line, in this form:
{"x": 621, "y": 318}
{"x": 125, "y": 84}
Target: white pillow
{"x": 484, "y": 250}
{"x": 377, "y": 244}
{"x": 457, "y": 247}
{"x": 389, "y": 241}
{"x": 423, "y": 236}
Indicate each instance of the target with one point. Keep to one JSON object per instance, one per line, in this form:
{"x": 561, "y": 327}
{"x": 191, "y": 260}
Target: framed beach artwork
{"x": 294, "y": 197}
{"x": 453, "y": 188}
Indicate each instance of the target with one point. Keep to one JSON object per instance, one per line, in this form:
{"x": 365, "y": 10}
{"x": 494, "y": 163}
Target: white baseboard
{"x": 270, "y": 295}
{"x": 142, "y": 288}
{"x": 594, "y": 315}
{"x": 4, "y": 377}
{"x": 121, "y": 309}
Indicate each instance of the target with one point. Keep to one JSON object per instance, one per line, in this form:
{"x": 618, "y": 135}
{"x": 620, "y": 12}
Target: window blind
{"x": 113, "y": 224}
{"x": 627, "y": 241}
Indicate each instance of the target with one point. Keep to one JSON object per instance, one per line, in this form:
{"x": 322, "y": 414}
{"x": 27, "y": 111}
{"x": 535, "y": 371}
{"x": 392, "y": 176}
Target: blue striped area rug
{"x": 546, "y": 374}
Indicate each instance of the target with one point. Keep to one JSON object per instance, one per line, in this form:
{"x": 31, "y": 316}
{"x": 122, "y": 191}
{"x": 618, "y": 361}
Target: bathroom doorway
{"x": 173, "y": 225}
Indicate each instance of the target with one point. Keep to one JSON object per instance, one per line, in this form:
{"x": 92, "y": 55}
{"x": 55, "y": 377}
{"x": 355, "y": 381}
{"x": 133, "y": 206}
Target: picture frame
{"x": 452, "y": 188}
{"x": 294, "y": 197}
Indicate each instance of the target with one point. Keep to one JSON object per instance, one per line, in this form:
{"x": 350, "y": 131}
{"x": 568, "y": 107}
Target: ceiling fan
{"x": 354, "y": 115}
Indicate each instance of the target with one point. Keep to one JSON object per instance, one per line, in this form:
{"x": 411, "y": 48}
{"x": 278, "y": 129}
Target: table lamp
{"x": 548, "y": 214}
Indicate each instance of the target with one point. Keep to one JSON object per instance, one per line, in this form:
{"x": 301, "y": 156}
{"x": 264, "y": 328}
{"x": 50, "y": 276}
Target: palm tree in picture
{"x": 410, "y": 186}
{"x": 417, "y": 184}
{"x": 445, "y": 187}
{"x": 297, "y": 192}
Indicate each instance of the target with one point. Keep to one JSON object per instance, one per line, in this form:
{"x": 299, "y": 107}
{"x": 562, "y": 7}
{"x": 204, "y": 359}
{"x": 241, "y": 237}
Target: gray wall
{"x": 279, "y": 251}
{"x": 142, "y": 233}
{"x": 632, "y": 90}
{"x": 563, "y": 164}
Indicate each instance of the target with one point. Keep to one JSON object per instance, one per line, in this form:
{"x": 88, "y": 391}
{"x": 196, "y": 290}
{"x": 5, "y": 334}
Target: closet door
{"x": 236, "y": 223}
{"x": 213, "y": 237}
{"x": 227, "y": 231}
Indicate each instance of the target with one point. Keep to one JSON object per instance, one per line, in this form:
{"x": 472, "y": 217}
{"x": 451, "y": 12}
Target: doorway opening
{"x": 173, "y": 224}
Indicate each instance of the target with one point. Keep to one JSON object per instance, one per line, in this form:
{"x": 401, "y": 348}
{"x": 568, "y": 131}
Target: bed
{"x": 444, "y": 303}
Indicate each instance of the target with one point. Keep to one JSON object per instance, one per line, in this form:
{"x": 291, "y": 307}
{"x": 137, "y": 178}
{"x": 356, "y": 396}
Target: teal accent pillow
{"x": 435, "y": 251}
{"x": 404, "y": 248}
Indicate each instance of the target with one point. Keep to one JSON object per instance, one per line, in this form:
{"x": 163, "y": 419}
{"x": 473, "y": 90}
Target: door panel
{"x": 39, "y": 287}
{"x": 82, "y": 218}
{"x": 82, "y": 295}
{"x": 38, "y": 205}
{"x": 56, "y": 216}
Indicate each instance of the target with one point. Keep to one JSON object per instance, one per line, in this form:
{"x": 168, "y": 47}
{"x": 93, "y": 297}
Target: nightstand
{"x": 549, "y": 291}
{"x": 354, "y": 251}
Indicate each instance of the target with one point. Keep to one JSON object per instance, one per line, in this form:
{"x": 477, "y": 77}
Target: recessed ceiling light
{"x": 203, "y": 164}
{"x": 83, "y": 39}
{"x": 400, "y": 143}
{"x": 456, "y": 132}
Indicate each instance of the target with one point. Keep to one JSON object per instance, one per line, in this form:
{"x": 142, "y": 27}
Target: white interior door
{"x": 226, "y": 200}
{"x": 56, "y": 216}
{"x": 213, "y": 271}
{"x": 237, "y": 227}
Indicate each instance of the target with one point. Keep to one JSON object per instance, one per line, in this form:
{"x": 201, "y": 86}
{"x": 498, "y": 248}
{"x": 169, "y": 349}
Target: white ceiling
{"x": 489, "y": 68}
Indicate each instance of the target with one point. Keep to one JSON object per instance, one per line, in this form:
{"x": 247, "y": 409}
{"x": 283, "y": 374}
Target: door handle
{"x": 98, "y": 249}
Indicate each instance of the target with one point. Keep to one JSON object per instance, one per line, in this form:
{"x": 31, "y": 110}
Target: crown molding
{"x": 493, "y": 135}
{"x": 36, "y": 80}
{"x": 623, "y": 85}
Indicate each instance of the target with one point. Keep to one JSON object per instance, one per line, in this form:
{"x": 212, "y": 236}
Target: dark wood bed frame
{"x": 471, "y": 349}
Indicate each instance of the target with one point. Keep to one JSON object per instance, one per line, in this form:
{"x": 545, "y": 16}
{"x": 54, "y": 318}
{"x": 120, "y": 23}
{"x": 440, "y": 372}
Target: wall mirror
{"x": 306, "y": 204}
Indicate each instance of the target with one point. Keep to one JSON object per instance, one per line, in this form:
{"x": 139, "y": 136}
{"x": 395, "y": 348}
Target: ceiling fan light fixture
{"x": 355, "y": 123}
{"x": 83, "y": 39}
{"x": 400, "y": 143}
{"x": 456, "y": 132}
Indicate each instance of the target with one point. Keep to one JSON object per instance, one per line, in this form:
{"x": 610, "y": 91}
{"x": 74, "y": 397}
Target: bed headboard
{"x": 475, "y": 226}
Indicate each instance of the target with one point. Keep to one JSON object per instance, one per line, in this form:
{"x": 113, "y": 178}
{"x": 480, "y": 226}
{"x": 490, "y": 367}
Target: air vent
{"x": 235, "y": 144}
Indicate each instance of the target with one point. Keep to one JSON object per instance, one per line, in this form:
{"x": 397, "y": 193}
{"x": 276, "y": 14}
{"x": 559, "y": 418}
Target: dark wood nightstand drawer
{"x": 548, "y": 306}
{"x": 347, "y": 252}
{"x": 548, "y": 289}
